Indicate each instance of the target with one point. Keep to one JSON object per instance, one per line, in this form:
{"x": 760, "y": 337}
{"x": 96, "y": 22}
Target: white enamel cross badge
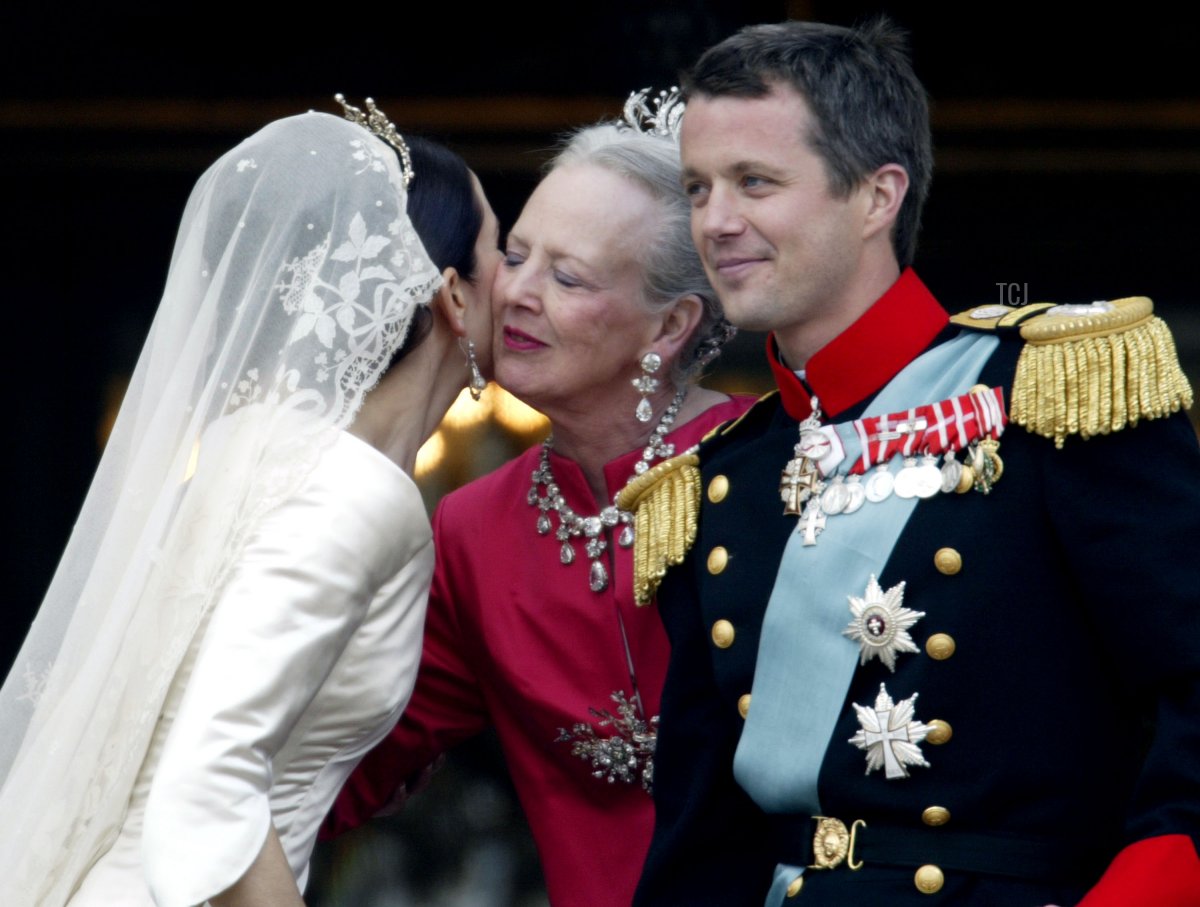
{"x": 890, "y": 735}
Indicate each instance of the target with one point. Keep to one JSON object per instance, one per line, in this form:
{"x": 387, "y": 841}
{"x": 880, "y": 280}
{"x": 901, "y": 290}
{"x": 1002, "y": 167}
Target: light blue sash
{"x": 804, "y": 662}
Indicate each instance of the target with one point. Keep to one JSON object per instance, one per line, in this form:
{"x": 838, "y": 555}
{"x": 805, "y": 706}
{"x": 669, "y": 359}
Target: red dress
{"x": 517, "y": 640}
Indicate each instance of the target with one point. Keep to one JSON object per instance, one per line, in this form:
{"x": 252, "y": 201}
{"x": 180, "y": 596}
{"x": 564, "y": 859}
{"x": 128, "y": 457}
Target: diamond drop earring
{"x": 647, "y": 384}
{"x": 477, "y": 383}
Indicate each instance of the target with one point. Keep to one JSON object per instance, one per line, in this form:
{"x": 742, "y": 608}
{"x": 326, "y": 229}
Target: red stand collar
{"x": 865, "y": 356}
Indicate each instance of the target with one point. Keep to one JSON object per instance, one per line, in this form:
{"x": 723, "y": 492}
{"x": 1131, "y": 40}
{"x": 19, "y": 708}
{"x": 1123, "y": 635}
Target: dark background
{"x": 1067, "y": 164}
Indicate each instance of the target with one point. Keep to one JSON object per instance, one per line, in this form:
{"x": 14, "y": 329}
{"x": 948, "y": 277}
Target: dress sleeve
{"x": 1128, "y": 509}
{"x": 300, "y": 589}
{"x": 446, "y": 707}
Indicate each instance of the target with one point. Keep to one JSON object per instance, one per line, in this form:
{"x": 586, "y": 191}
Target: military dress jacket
{"x": 1057, "y": 667}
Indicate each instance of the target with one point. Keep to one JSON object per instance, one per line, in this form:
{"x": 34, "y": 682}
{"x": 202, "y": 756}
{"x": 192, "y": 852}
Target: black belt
{"x": 821, "y": 843}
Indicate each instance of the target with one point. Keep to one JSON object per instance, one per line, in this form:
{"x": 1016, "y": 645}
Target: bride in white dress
{"x": 237, "y": 617}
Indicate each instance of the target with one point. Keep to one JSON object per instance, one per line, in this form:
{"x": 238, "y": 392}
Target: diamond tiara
{"x": 662, "y": 120}
{"x": 376, "y": 121}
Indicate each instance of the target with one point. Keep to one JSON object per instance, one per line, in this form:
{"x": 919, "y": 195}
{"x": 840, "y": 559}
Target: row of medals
{"x": 915, "y": 479}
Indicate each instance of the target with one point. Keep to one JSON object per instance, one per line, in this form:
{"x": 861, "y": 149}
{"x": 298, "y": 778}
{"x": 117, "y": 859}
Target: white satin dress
{"x": 306, "y": 662}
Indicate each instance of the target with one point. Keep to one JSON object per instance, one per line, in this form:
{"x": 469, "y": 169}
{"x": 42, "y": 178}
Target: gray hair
{"x": 671, "y": 267}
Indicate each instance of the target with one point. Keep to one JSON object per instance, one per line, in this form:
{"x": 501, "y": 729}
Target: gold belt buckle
{"x": 833, "y": 843}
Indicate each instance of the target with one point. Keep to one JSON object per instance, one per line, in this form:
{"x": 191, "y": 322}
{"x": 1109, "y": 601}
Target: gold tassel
{"x": 665, "y": 502}
{"x": 1096, "y": 373}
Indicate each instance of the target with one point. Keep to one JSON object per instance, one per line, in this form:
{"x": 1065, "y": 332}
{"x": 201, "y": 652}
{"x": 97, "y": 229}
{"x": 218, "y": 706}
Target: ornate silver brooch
{"x": 627, "y": 755}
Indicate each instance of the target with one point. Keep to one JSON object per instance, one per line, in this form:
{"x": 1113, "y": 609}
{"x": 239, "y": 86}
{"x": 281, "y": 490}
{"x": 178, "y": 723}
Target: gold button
{"x": 940, "y": 646}
{"x": 717, "y": 559}
{"x": 794, "y": 888}
{"x": 939, "y": 732}
{"x": 744, "y": 705}
{"x": 717, "y": 489}
{"x": 935, "y": 816}
{"x": 980, "y": 389}
{"x": 929, "y": 879}
{"x": 722, "y": 634}
{"x": 947, "y": 561}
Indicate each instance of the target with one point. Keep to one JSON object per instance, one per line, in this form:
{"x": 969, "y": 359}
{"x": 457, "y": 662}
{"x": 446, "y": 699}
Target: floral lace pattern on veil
{"x": 293, "y": 282}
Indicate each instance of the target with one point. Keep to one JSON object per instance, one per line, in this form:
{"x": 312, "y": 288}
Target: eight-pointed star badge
{"x": 890, "y": 734}
{"x": 881, "y": 623}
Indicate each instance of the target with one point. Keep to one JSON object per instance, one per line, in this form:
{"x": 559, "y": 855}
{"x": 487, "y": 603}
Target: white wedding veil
{"x": 293, "y": 281}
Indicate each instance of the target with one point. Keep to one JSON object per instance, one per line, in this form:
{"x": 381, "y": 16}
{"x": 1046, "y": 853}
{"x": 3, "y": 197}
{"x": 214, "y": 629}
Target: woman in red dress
{"x": 603, "y": 319}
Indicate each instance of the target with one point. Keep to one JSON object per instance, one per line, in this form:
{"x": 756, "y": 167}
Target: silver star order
{"x": 890, "y": 735}
{"x": 881, "y": 624}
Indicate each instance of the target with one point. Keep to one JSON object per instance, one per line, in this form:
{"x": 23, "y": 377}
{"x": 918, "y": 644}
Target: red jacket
{"x": 517, "y": 640}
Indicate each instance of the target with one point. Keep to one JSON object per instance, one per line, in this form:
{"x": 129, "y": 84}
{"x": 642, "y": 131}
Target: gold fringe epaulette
{"x": 1093, "y": 369}
{"x": 665, "y": 502}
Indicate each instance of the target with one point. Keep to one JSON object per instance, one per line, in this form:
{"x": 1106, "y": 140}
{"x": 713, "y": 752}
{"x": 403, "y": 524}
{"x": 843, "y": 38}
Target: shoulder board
{"x": 1097, "y": 368}
{"x": 665, "y": 502}
{"x": 998, "y": 318}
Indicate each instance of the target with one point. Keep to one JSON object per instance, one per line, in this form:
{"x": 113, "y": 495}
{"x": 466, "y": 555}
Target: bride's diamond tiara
{"x": 376, "y": 121}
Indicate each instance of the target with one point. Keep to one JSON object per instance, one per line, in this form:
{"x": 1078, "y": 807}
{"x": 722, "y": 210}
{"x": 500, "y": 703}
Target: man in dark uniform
{"x": 937, "y": 639}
